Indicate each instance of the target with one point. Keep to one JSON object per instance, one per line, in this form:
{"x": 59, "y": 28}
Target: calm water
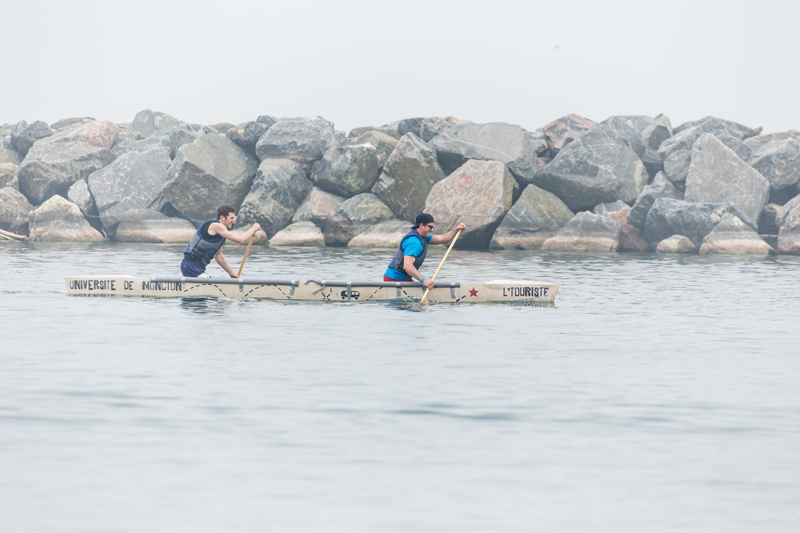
{"x": 659, "y": 394}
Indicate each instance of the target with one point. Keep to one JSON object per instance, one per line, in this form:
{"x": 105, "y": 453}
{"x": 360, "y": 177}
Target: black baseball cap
{"x": 423, "y": 218}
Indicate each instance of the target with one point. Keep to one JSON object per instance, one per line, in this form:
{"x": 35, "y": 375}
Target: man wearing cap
{"x": 413, "y": 248}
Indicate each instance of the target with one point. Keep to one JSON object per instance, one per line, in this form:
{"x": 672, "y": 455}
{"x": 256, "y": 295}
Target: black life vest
{"x": 201, "y": 250}
{"x": 397, "y": 260}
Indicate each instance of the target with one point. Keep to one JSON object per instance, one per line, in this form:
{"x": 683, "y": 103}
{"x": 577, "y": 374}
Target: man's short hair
{"x": 225, "y": 210}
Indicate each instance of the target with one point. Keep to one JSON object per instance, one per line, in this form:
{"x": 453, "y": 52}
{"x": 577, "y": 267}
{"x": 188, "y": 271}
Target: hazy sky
{"x": 369, "y": 63}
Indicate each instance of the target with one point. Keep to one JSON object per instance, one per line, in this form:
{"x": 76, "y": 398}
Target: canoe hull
{"x": 310, "y": 290}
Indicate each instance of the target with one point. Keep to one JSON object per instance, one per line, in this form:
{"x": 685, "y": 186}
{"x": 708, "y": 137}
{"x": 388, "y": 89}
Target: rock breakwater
{"x": 628, "y": 183}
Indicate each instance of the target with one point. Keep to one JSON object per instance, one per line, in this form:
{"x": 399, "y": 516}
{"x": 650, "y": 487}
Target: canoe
{"x": 311, "y": 290}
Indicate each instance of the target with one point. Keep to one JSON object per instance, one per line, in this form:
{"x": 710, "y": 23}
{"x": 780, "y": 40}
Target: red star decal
{"x": 473, "y": 292}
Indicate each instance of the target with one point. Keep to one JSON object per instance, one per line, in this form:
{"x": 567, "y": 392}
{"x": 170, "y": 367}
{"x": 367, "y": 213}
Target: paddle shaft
{"x": 433, "y": 279}
{"x": 245, "y": 255}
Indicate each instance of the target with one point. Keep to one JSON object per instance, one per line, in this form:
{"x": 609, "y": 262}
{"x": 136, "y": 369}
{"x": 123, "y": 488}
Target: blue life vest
{"x": 397, "y": 260}
{"x": 201, "y": 250}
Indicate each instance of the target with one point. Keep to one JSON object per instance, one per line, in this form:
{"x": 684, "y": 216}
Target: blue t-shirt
{"x": 410, "y": 246}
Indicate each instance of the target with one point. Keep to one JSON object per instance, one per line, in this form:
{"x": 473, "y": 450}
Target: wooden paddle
{"x": 245, "y": 254}
{"x": 440, "y": 265}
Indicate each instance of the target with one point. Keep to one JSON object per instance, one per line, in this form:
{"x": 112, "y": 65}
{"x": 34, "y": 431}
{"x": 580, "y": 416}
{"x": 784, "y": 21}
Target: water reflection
{"x": 208, "y": 306}
{"x": 412, "y": 307}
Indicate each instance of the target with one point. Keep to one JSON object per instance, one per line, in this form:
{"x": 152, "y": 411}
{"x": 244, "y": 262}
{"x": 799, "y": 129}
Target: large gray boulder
{"x": 69, "y": 124}
{"x": 146, "y": 122}
{"x": 479, "y": 194}
{"x": 560, "y": 132}
{"x": 496, "y": 141}
{"x": 302, "y": 233}
{"x": 716, "y": 174}
{"x": 24, "y": 135}
{"x": 80, "y": 195}
{"x": 384, "y": 144}
{"x": 598, "y": 167}
{"x": 134, "y": 181}
{"x": 586, "y": 232}
{"x": 610, "y": 207}
{"x": 388, "y": 129}
{"x": 161, "y": 137}
{"x": 347, "y": 170}
{"x": 125, "y": 133}
{"x": 317, "y": 207}
{"x": 303, "y": 140}
{"x": 59, "y": 220}
{"x": 222, "y": 127}
{"x": 386, "y": 234}
{"x": 183, "y": 134}
{"x": 632, "y": 238}
{"x": 51, "y": 169}
{"x": 694, "y": 220}
{"x": 98, "y": 133}
{"x": 630, "y": 128}
{"x": 207, "y": 173}
{"x": 535, "y": 217}
{"x": 676, "y": 244}
{"x": 279, "y": 187}
{"x": 14, "y": 209}
{"x": 734, "y": 129}
{"x": 660, "y": 188}
{"x": 247, "y": 134}
{"x": 408, "y": 177}
{"x": 658, "y": 131}
{"x": 173, "y": 138}
{"x": 8, "y": 175}
{"x": 676, "y": 152}
{"x": 732, "y": 236}
{"x": 789, "y": 237}
{"x": 539, "y": 144}
{"x": 147, "y": 225}
{"x": 361, "y": 130}
{"x": 425, "y": 128}
{"x": 8, "y": 154}
{"x": 267, "y": 120}
{"x": 754, "y": 143}
{"x": 788, "y": 213}
{"x": 779, "y": 162}
{"x": 352, "y": 217}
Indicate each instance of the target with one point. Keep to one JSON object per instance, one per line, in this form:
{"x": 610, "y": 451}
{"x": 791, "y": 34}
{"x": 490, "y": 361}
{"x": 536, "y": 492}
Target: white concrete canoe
{"x": 311, "y": 290}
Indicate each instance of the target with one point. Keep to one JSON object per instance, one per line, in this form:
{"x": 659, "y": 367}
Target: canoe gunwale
{"x": 295, "y": 282}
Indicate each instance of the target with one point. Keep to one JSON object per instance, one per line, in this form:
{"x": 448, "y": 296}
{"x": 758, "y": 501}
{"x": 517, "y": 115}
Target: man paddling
{"x": 412, "y": 250}
{"x": 207, "y": 243}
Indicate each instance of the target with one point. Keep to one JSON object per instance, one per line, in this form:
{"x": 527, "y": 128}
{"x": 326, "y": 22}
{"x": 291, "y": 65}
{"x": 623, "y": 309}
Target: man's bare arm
{"x": 217, "y": 228}
{"x": 408, "y": 266}
{"x": 224, "y": 264}
{"x": 445, "y": 238}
